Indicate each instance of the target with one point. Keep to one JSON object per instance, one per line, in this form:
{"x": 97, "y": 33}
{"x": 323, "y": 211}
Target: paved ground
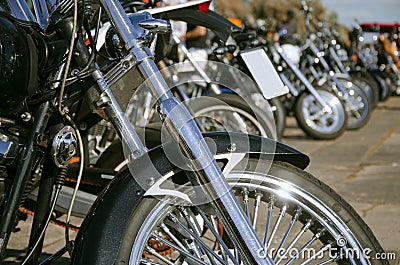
{"x": 363, "y": 166}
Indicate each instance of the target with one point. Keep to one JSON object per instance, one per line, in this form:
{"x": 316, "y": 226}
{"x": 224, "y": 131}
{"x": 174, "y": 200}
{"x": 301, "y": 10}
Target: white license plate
{"x": 264, "y": 73}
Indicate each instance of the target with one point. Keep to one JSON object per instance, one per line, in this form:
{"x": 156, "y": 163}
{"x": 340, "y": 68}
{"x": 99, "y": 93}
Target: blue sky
{"x": 383, "y": 11}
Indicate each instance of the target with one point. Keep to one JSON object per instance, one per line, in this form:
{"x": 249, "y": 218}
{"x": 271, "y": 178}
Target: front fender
{"x": 96, "y": 242}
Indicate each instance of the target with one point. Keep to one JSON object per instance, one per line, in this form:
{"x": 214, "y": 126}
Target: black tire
{"x": 320, "y": 199}
{"x": 206, "y": 110}
{"x": 368, "y": 84}
{"x": 307, "y": 105}
{"x": 380, "y": 78}
{"x": 392, "y": 81}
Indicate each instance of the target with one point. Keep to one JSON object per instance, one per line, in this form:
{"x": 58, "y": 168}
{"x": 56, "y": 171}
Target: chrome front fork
{"x": 184, "y": 130}
{"x": 332, "y": 75}
{"x": 303, "y": 79}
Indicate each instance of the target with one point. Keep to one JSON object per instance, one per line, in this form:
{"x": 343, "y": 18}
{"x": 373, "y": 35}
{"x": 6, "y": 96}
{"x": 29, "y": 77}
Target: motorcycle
{"x": 315, "y": 66}
{"x": 375, "y": 60}
{"x": 319, "y": 113}
{"x": 331, "y": 47}
{"x": 187, "y": 201}
{"x": 217, "y": 111}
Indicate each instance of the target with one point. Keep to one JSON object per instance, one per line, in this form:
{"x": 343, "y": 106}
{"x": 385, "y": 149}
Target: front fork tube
{"x": 188, "y": 136}
{"x": 332, "y": 75}
{"x": 303, "y": 79}
{"x": 338, "y": 62}
{"x": 117, "y": 117}
{"x": 289, "y": 84}
{"x": 22, "y": 176}
{"x": 184, "y": 130}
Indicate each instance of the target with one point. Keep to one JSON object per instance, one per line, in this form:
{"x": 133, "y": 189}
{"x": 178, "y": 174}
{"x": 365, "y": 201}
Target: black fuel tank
{"x": 16, "y": 61}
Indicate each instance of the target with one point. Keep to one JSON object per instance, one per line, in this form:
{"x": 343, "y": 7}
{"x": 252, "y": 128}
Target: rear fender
{"x": 100, "y": 235}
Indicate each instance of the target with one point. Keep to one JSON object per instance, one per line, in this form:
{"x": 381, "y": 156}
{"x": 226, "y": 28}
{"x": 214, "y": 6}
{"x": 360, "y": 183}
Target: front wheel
{"x": 299, "y": 220}
{"x": 357, "y": 104}
{"x": 314, "y": 118}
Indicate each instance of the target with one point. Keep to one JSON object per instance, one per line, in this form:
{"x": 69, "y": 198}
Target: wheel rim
{"x": 295, "y": 220}
{"x": 320, "y": 120}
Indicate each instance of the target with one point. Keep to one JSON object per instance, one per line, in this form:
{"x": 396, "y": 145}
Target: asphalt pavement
{"x": 363, "y": 166}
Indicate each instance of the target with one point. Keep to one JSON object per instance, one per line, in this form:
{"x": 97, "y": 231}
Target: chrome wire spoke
{"x": 168, "y": 232}
{"x": 269, "y": 215}
{"x": 180, "y": 250}
{"x": 277, "y": 223}
{"x": 305, "y": 246}
{"x": 191, "y": 245}
{"x": 294, "y": 241}
{"x": 326, "y": 261}
{"x": 245, "y": 194}
{"x": 197, "y": 238}
{"x": 224, "y": 247}
{"x": 333, "y": 259}
{"x": 193, "y": 235}
{"x": 194, "y": 225}
{"x": 153, "y": 252}
{"x": 285, "y": 237}
{"x": 321, "y": 251}
{"x": 257, "y": 204}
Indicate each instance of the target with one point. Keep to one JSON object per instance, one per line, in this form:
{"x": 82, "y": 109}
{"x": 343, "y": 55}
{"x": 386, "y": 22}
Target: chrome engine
{"x": 9, "y": 150}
